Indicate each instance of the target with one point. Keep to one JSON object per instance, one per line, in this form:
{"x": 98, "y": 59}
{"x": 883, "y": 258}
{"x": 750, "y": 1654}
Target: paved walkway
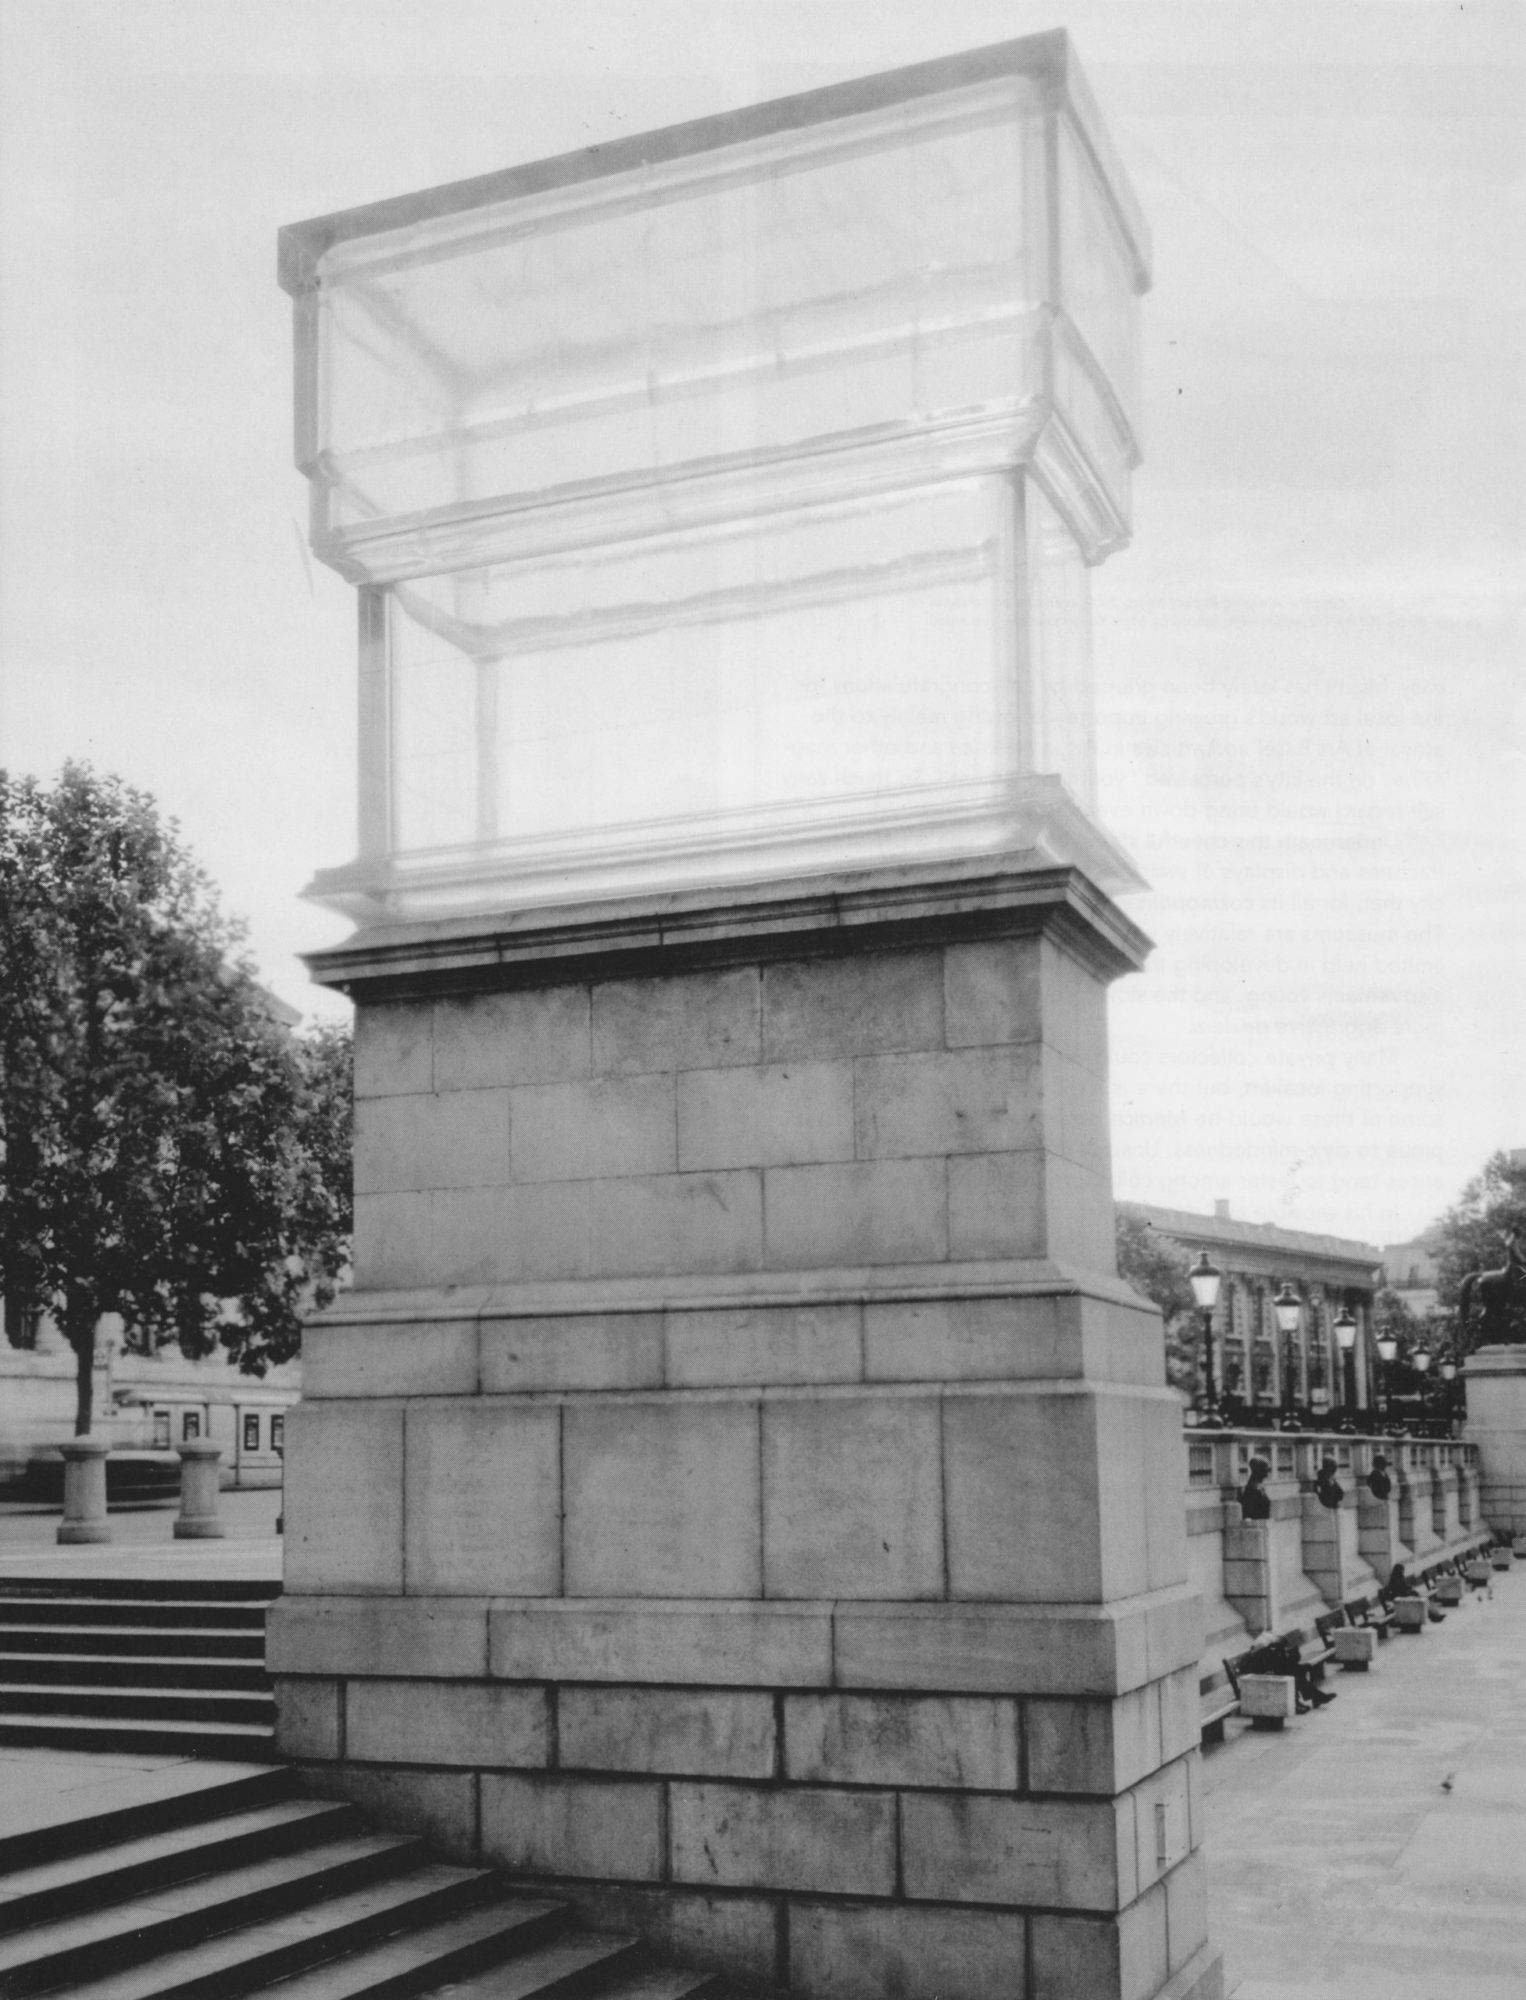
{"x": 1376, "y": 1850}
{"x": 143, "y": 1543}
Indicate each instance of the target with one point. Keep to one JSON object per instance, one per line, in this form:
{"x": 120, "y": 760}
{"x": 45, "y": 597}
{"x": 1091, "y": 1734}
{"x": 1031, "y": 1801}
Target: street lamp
{"x": 1345, "y": 1334}
{"x": 1204, "y": 1279}
{"x": 1388, "y": 1347}
{"x": 1288, "y": 1308}
{"x": 1449, "y": 1394}
{"x": 1420, "y": 1361}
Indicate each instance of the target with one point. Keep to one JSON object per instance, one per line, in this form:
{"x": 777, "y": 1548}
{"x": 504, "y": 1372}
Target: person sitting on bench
{"x": 1399, "y": 1585}
{"x": 1281, "y": 1656}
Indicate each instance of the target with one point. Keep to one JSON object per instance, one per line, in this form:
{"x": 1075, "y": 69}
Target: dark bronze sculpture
{"x": 1501, "y": 1300}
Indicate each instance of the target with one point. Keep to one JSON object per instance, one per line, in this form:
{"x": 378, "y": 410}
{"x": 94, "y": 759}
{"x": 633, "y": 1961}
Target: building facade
{"x": 1254, "y": 1363}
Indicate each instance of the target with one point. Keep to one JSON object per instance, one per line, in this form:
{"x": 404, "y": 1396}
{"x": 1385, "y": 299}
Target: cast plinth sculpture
{"x": 739, "y": 1495}
{"x": 721, "y": 500}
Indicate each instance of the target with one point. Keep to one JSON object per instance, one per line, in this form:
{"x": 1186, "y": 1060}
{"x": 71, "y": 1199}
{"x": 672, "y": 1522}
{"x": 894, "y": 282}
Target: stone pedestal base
{"x": 85, "y": 1518}
{"x": 199, "y": 1493}
{"x": 1496, "y": 1383}
{"x": 740, "y": 1494}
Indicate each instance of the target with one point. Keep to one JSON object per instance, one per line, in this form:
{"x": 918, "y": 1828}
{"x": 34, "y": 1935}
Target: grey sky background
{"x": 1310, "y": 684}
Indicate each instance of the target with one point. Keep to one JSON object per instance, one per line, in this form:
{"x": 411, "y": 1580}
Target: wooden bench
{"x": 1218, "y": 1701}
{"x": 1372, "y": 1612}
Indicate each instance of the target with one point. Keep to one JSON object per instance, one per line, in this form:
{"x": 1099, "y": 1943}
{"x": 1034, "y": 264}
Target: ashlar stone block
{"x": 439, "y": 1805}
{"x": 716, "y": 1347}
{"x": 482, "y": 1487}
{"x": 871, "y": 1212}
{"x": 872, "y": 1467}
{"x": 648, "y": 1225}
{"x": 729, "y": 1644}
{"x": 832, "y": 1842}
{"x": 998, "y": 1206}
{"x": 556, "y": 1825}
{"x": 781, "y": 1114}
{"x": 571, "y": 1351}
{"x": 308, "y": 1719}
{"x": 344, "y": 1460}
{"x": 394, "y": 1048}
{"x": 428, "y": 1637}
{"x": 594, "y": 1129}
{"x": 487, "y": 1040}
{"x": 958, "y": 1743}
{"x": 437, "y": 1358}
{"x": 854, "y": 1951}
{"x": 468, "y": 1724}
{"x": 704, "y": 1020}
{"x": 972, "y": 1101}
{"x": 866, "y": 1004}
{"x": 406, "y": 1144}
{"x": 1124, "y": 1955}
{"x": 1054, "y": 1853}
{"x": 1094, "y": 1746}
{"x": 662, "y": 1499}
{"x": 993, "y": 993}
{"x": 705, "y": 1733}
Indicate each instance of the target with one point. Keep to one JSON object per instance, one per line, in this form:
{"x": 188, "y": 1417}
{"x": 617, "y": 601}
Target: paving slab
{"x": 1376, "y": 1849}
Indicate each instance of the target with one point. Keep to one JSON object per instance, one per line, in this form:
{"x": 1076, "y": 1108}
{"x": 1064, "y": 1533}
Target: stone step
{"x": 52, "y": 1890}
{"x": 164, "y": 1613}
{"x": 62, "y": 1955}
{"x": 574, "y": 1962}
{"x": 450, "y": 1902}
{"x": 166, "y": 1590}
{"x": 113, "y": 1669}
{"x": 625, "y": 1980}
{"x": 155, "y": 1704}
{"x": 169, "y": 1737}
{"x": 223, "y": 1643}
{"x": 143, "y": 1803}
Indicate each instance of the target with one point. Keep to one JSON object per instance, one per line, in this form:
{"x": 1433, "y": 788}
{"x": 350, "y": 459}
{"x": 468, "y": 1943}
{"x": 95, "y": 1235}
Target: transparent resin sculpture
{"x": 721, "y": 499}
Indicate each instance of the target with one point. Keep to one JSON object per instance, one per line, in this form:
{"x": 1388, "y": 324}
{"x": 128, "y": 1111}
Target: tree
{"x": 168, "y": 1151}
{"x": 1474, "y": 1234}
{"x": 1157, "y": 1265}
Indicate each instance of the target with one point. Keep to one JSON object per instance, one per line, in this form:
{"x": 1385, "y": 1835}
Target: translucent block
{"x": 724, "y": 496}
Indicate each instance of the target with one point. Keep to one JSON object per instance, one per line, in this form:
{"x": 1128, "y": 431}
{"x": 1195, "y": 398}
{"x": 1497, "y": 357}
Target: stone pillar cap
{"x": 199, "y": 1448}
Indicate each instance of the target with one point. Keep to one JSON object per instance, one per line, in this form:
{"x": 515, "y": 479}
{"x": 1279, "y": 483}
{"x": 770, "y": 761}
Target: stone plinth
{"x": 739, "y": 1491}
{"x": 1496, "y": 1383}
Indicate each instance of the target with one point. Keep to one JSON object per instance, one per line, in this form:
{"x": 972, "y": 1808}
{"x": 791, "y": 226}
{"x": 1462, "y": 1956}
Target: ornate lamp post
{"x": 1289, "y": 1310}
{"x": 1345, "y": 1334}
{"x": 1204, "y": 1278}
{"x": 1420, "y": 1361}
{"x": 1449, "y": 1393}
{"x": 1388, "y": 1347}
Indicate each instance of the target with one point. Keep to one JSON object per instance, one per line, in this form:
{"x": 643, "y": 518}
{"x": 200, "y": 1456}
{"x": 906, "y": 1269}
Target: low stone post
{"x": 84, "y": 1491}
{"x": 199, "y": 1492}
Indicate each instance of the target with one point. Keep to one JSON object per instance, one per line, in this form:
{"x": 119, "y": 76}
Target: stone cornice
{"x": 934, "y": 903}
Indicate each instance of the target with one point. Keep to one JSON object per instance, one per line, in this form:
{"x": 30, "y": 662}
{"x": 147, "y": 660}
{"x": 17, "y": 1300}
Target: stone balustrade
{"x": 1288, "y": 1570}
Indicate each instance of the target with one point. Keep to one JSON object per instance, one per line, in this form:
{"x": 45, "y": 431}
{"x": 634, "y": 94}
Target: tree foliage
{"x": 168, "y": 1151}
{"x": 1157, "y": 1266}
{"x": 1474, "y": 1233}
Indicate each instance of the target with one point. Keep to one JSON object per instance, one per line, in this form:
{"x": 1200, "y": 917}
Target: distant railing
{"x": 1222, "y": 1458}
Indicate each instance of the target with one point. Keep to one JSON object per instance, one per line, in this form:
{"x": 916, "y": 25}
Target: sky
{"x": 1310, "y": 689}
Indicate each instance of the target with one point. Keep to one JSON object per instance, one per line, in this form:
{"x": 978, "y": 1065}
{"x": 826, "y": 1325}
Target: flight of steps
{"x": 136, "y": 1665}
{"x": 221, "y": 1880}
